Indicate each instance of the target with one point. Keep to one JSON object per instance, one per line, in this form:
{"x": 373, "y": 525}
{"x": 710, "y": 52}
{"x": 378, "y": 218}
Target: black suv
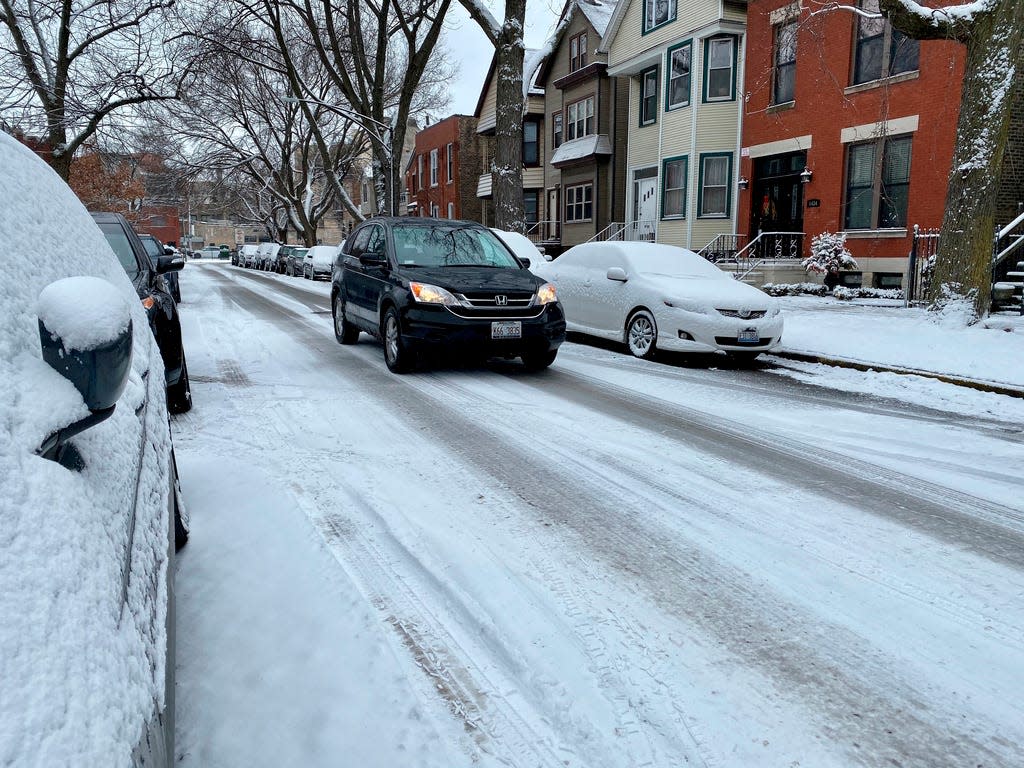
{"x": 438, "y": 283}
{"x": 147, "y": 277}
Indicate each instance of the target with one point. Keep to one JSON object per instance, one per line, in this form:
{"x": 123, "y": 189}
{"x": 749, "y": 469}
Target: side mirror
{"x": 618, "y": 274}
{"x": 166, "y": 264}
{"x": 85, "y": 331}
{"x": 525, "y": 262}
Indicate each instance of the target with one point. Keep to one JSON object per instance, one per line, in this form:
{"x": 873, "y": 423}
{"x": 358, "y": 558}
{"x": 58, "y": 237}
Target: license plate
{"x": 747, "y": 336}
{"x": 507, "y": 329}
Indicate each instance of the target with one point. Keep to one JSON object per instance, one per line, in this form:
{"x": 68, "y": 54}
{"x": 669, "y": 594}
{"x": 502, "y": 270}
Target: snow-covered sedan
{"x": 654, "y": 296}
{"x": 88, "y": 492}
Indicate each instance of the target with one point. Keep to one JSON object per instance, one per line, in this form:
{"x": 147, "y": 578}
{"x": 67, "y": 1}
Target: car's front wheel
{"x": 397, "y": 356}
{"x": 538, "y": 361}
{"x": 344, "y": 331}
{"x": 642, "y": 334}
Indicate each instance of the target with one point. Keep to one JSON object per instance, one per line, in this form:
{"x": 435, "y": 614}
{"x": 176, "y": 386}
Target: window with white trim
{"x": 680, "y": 59}
{"x": 658, "y": 12}
{"x": 673, "y": 188}
{"x": 720, "y": 70}
{"x": 433, "y": 167}
{"x": 579, "y": 203}
{"x": 579, "y": 119}
{"x": 451, "y": 207}
{"x": 784, "y": 63}
{"x": 450, "y": 161}
{"x": 556, "y": 130}
{"x": 878, "y": 183}
{"x": 419, "y": 172}
{"x": 649, "y": 96}
{"x": 578, "y": 52}
{"x": 881, "y": 51}
{"x": 715, "y": 172}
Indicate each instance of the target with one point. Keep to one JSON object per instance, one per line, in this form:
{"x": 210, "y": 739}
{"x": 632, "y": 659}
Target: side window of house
{"x": 720, "y": 69}
{"x": 649, "y": 96}
{"x": 531, "y": 142}
{"x": 658, "y": 12}
{"x": 673, "y": 192}
{"x": 450, "y": 157}
{"x": 878, "y": 183}
{"x": 881, "y": 51}
{"x": 784, "y": 60}
{"x": 581, "y": 118}
{"x": 578, "y": 52}
{"x": 679, "y": 79}
{"x": 531, "y": 205}
{"x": 579, "y": 202}
{"x": 433, "y": 167}
{"x": 556, "y": 130}
{"x": 715, "y": 172}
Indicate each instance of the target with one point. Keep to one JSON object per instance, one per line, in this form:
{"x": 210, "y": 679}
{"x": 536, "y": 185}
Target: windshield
{"x": 299, "y": 252}
{"x": 449, "y": 246}
{"x": 119, "y": 242}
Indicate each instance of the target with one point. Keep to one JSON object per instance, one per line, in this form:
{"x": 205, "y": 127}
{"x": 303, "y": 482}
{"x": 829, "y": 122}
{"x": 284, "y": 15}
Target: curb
{"x": 960, "y": 381}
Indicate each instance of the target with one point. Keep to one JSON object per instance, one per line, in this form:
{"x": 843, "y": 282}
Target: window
{"x": 720, "y": 69}
{"x": 579, "y": 203}
{"x": 419, "y": 172}
{"x": 878, "y": 184}
{"x": 784, "y": 60}
{"x": 450, "y": 158}
{"x": 556, "y": 130}
{"x": 531, "y": 142}
{"x": 649, "y": 96}
{"x": 673, "y": 190}
{"x": 658, "y": 12}
{"x": 578, "y": 52}
{"x": 433, "y": 167}
{"x": 881, "y": 51}
{"x": 435, "y": 211}
{"x": 580, "y": 119}
{"x": 451, "y": 207}
{"x": 677, "y": 90}
{"x": 531, "y": 205}
{"x": 715, "y": 172}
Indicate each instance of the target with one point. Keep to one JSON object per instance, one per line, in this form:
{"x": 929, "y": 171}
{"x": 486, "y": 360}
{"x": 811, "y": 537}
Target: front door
{"x": 778, "y": 195}
{"x": 554, "y": 215}
{"x": 645, "y": 204}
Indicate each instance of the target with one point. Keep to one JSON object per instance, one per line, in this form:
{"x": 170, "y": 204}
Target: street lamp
{"x": 362, "y": 120}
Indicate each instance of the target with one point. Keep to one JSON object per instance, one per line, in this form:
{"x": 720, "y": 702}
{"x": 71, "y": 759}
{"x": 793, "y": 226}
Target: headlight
{"x": 431, "y": 294}
{"x": 546, "y": 294}
{"x": 687, "y": 305}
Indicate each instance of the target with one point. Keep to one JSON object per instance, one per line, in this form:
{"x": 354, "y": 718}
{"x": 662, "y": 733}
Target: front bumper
{"x": 683, "y": 331}
{"x": 435, "y": 326}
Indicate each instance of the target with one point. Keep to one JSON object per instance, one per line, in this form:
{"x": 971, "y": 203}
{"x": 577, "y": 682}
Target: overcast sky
{"x": 472, "y": 53}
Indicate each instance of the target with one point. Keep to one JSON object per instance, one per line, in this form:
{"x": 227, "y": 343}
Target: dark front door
{"x": 778, "y": 201}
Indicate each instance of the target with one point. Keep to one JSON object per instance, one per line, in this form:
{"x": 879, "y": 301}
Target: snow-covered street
{"x": 612, "y": 563}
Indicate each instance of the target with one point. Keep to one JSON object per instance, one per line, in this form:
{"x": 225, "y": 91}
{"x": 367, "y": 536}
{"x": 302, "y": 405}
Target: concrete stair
{"x": 1008, "y": 294}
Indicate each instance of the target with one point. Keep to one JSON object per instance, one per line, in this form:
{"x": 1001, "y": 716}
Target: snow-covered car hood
{"x": 722, "y": 294}
{"x": 81, "y": 670}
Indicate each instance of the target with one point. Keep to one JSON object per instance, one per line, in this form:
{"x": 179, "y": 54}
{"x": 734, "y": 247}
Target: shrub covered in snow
{"x": 829, "y": 254}
{"x": 839, "y": 292}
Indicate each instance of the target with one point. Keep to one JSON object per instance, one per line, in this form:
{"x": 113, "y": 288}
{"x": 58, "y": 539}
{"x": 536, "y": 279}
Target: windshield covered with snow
{"x": 450, "y": 246}
{"x": 675, "y": 262}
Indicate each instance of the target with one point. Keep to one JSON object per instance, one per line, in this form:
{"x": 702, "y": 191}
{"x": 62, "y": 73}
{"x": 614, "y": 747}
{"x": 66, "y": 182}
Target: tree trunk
{"x": 507, "y": 172}
{"x": 963, "y": 272}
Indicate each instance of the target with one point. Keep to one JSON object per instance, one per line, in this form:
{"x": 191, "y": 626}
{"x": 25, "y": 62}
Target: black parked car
{"x": 148, "y": 278}
{"x": 281, "y": 260}
{"x": 156, "y": 249}
{"x": 436, "y": 283}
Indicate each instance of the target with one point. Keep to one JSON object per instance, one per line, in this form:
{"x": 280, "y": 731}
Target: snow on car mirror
{"x": 618, "y": 274}
{"x": 169, "y": 264}
{"x": 85, "y": 331}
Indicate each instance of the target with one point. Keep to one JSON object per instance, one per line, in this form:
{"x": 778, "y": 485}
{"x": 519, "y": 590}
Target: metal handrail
{"x": 1010, "y": 227}
{"x": 616, "y": 228}
{"x": 1014, "y": 244}
{"x": 756, "y": 240}
{"x": 538, "y": 231}
{"x": 723, "y": 242}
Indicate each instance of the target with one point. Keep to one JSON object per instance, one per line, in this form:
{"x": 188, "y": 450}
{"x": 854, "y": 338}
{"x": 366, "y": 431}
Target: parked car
{"x": 295, "y": 260}
{"x": 161, "y": 309}
{"x": 653, "y": 296}
{"x": 529, "y": 255}
{"x": 224, "y": 252}
{"x": 209, "y": 252}
{"x": 265, "y": 255}
{"x": 88, "y": 492}
{"x": 319, "y": 262}
{"x": 156, "y": 249}
{"x": 423, "y": 284}
{"x": 245, "y": 252}
{"x": 281, "y": 260}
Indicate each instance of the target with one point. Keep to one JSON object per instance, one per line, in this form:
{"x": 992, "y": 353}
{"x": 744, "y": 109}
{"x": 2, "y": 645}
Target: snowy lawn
{"x": 886, "y": 333}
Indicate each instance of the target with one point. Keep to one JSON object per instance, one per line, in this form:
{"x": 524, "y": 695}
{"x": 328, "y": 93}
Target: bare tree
{"x": 66, "y": 66}
{"x": 992, "y": 32}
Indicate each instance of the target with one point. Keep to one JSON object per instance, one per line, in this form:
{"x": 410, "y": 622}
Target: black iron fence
{"x": 921, "y": 265}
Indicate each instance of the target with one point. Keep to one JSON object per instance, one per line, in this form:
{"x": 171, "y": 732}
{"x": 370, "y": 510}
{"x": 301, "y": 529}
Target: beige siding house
{"x": 533, "y": 144}
{"x": 684, "y": 62}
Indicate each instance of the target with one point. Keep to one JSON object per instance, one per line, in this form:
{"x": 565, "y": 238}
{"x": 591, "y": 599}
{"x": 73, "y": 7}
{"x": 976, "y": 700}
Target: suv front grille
{"x": 499, "y": 300}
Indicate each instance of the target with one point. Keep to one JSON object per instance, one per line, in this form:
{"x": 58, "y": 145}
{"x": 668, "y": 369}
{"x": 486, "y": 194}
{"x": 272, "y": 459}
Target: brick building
{"x": 848, "y": 126}
{"x": 442, "y": 171}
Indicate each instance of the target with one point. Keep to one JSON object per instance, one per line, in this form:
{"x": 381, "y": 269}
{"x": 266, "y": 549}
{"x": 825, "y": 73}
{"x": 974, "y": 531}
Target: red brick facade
{"x": 442, "y": 173}
{"x": 827, "y": 114}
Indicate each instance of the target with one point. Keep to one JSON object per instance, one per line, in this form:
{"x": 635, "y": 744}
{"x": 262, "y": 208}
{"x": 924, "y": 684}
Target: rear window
{"x": 447, "y": 246}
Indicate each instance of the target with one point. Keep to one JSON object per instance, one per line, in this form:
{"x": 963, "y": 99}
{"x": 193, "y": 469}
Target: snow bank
{"x": 84, "y": 312}
{"x": 80, "y": 671}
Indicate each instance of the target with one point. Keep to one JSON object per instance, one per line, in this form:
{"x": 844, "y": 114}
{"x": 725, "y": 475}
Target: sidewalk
{"x": 884, "y": 336}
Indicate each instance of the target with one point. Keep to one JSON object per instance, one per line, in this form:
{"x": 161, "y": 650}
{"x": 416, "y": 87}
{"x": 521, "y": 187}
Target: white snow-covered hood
{"x": 80, "y": 671}
{"x": 723, "y": 294}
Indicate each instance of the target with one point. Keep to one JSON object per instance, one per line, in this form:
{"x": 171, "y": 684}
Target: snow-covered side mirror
{"x": 85, "y": 331}
{"x": 618, "y": 274}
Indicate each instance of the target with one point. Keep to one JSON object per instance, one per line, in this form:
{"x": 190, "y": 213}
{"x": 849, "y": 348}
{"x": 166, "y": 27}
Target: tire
{"x": 344, "y": 331}
{"x": 179, "y": 395}
{"x": 305, "y": 274}
{"x": 744, "y": 359}
{"x": 642, "y": 334}
{"x": 538, "y": 361}
{"x": 397, "y": 356}
{"x": 180, "y": 531}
